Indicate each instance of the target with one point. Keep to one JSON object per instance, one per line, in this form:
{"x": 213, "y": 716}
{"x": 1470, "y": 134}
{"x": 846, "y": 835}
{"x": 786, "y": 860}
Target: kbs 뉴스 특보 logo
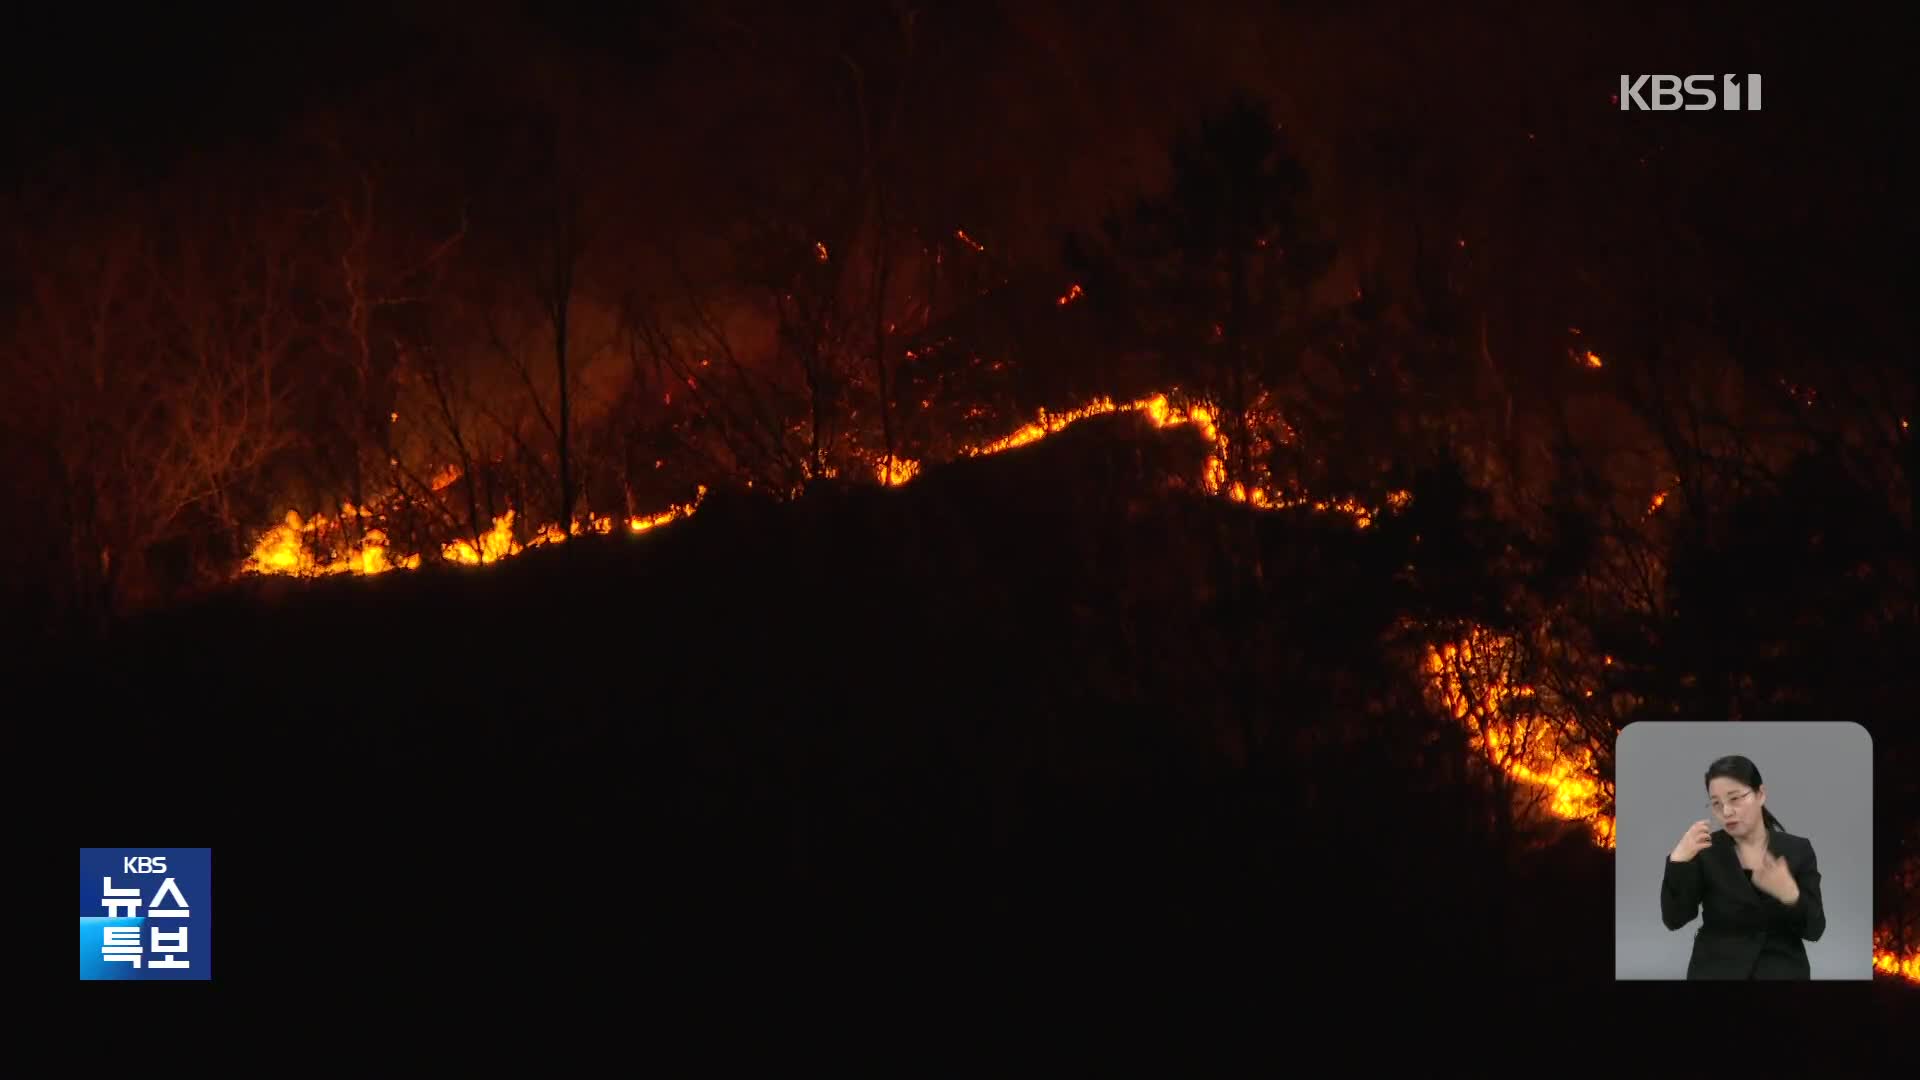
{"x": 146, "y": 913}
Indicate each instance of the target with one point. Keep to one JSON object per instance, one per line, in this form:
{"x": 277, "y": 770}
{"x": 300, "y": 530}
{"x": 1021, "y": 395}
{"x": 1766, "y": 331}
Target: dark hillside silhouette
{"x": 988, "y": 713}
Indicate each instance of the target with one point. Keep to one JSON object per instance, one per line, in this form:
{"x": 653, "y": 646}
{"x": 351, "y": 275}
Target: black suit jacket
{"x": 1744, "y": 933}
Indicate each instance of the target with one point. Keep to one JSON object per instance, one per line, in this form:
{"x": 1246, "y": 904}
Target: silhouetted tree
{"x": 155, "y": 353}
{"x": 1213, "y": 274}
{"x": 378, "y": 269}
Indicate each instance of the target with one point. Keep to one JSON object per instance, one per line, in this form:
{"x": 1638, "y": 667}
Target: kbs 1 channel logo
{"x": 146, "y": 913}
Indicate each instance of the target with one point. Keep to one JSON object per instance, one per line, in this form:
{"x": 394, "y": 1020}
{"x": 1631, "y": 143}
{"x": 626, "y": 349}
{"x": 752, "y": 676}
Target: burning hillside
{"x": 1521, "y": 745}
{"x": 1087, "y": 526}
{"x": 1524, "y": 745}
{"x": 783, "y": 708}
{"x": 1479, "y": 680}
{"x": 321, "y": 545}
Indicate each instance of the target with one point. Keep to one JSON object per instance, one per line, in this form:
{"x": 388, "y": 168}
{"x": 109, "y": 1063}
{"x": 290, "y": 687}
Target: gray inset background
{"x": 1819, "y": 780}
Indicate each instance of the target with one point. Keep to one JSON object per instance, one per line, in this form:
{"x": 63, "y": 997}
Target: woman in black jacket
{"x": 1755, "y": 885}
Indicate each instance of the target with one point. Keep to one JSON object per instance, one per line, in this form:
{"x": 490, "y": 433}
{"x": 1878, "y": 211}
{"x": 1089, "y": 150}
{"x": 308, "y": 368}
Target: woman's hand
{"x": 1775, "y": 878}
{"x": 1696, "y": 840}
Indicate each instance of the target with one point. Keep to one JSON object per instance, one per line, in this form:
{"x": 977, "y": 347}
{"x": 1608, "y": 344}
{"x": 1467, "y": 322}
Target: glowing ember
{"x": 961, "y": 235}
{"x": 820, "y": 251}
{"x": 1070, "y": 296}
{"x": 1592, "y": 360}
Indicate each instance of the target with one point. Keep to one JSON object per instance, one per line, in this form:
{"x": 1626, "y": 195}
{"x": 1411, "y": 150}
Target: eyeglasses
{"x": 1732, "y": 800}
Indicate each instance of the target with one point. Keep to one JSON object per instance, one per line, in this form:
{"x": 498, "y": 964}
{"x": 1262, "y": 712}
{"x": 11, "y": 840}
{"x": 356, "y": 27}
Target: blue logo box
{"x": 146, "y": 913}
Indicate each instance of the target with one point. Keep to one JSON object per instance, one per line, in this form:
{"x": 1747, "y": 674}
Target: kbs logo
{"x": 132, "y": 927}
{"x": 1663, "y": 93}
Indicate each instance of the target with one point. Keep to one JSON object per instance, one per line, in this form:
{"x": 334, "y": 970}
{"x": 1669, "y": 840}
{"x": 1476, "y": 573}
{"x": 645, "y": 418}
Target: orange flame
{"x": 1159, "y": 410}
{"x": 1512, "y": 727}
{"x": 1891, "y": 963}
{"x": 894, "y": 472}
{"x": 1473, "y": 680}
{"x": 1888, "y": 957}
{"x": 495, "y": 544}
{"x": 668, "y": 516}
{"x": 290, "y": 548}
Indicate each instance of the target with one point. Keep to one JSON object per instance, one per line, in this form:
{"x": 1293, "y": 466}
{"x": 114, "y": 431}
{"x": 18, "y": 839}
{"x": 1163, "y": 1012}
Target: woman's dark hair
{"x": 1735, "y": 767}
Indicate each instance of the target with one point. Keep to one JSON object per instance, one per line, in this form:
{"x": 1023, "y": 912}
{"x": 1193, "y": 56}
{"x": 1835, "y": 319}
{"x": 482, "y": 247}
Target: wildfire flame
{"x": 642, "y": 524}
{"x": 493, "y": 545}
{"x": 895, "y": 471}
{"x": 1048, "y": 424}
{"x": 1512, "y": 727}
{"x": 1477, "y": 679}
{"x": 291, "y": 548}
{"x": 1891, "y": 963}
{"x": 1474, "y": 681}
{"x": 288, "y": 548}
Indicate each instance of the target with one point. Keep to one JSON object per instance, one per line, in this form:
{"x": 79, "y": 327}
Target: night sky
{"x": 167, "y": 80}
{"x": 1047, "y": 116}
